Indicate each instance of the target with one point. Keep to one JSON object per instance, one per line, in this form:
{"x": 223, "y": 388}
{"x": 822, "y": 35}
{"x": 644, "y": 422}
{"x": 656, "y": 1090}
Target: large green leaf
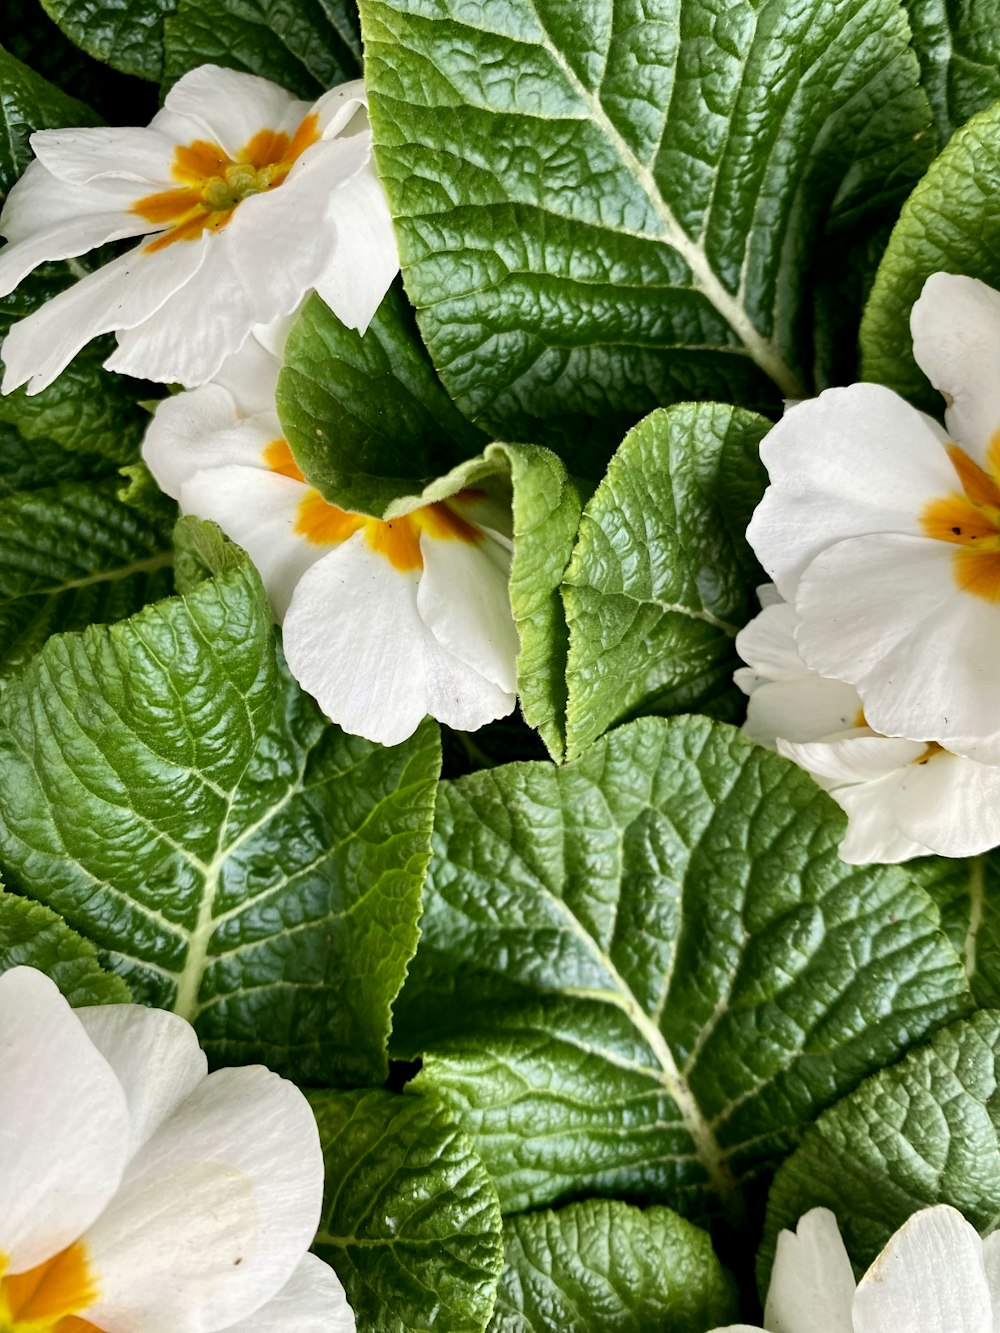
{"x": 27, "y": 103}
{"x": 305, "y": 45}
{"x": 365, "y": 415}
{"x": 958, "y": 42}
{"x": 645, "y": 973}
{"x": 235, "y": 856}
{"x": 32, "y": 936}
{"x": 605, "y": 208}
{"x": 662, "y": 577}
{"x": 968, "y": 896}
{"x": 949, "y": 224}
{"x": 127, "y": 34}
{"x": 921, "y": 1133}
{"x": 411, "y": 1221}
{"x": 605, "y": 1267}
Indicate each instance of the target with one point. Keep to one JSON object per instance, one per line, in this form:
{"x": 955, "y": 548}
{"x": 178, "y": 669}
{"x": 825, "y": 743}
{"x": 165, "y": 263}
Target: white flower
{"x": 139, "y": 1194}
{"x": 383, "y": 621}
{"x": 883, "y": 531}
{"x": 249, "y": 199}
{"x": 902, "y": 798}
{"x": 934, "y": 1276}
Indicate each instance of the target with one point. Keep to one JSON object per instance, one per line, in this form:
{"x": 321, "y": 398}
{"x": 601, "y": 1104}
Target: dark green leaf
{"x": 968, "y": 896}
{"x": 27, "y": 103}
{"x": 126, "y": 34}
{"x": 32, "y": 936}
{"x": 958, "y": 42}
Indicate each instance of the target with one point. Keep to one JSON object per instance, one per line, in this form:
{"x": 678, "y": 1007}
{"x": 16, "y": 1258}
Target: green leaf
{"x": 605, "y": 1267}
{"x": 410, "y": 1221}
{"x": 27, "y": 103}
{"x": 366, "y": 416}
{"x": 968, "y": 896}
{"x": 32, "y": 936}
{"x": 306, "y": 46}
{"x": 921, "y": 1133}
{"x": 126, "y": 34}
{"x": 949, "y": 224}
{"x": 235, "y": 856}
{"x": 662, "y": 577}
{"x": 645, "y": 973}
{"x": 958, "y": 43}
{"x": 605, "y": 208}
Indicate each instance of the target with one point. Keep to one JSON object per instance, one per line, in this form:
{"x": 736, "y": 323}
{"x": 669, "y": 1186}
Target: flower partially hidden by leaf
{"x": 883, "y": 531}
{"x": 247, "y": 198}
{"x": 935, "y": 1275}
{"x": 385, "y": 619}
{"x": 902, "y": 798}
{"x": 140, "y": 1194}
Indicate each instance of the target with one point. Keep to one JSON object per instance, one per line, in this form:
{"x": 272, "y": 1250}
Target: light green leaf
{"x": 126, "y": 34}
{"x": 605, "y": 208}
{"x": 958, "y": 43}
{"x": 662, "y": 577}
{"x": 644, "y": 974}
{"x": 306, "y": 46}
{"x": 366, "y": 416}
{"x": 410, "y": 1221}
{"x": 605, "y": 1267}
{"x": 27, "y": 103}
{"x": 32, "y": 936}
{"x": 949, "y": 224}
{"x": 235, "y": 856}
{"x": 921, "y": 1133}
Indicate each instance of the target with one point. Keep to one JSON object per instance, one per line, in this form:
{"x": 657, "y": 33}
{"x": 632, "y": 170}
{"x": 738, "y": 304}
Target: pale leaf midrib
{"x": 148, "y": 565}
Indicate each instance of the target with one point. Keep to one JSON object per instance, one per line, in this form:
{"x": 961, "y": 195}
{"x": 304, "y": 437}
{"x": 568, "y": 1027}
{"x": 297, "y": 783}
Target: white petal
{"x": 809, "y": 708}
{"x": 991, "y": 1263}
{"x": 201, "y": 429}
{"x": 767, "y": 644}
{"x": 956, "y": 343}
{"x": 77, "y": 157}
{"x": 251, "y": 374}
{"x": 464, "y": 599}
{"x": 229, "y": 107}
{"x": 928, "y": 1279}
{"x": 812, "y": 1283}
{"x": 258, "y": 510}
{"x": 884, "y": 613}
{"x": 64, "y": 1123}
{"x": 849, "y": 462}
{"x": 160, "y": 1263}
{"x": 155, "y": 1056}
{"x": 337, "y": 108}
{"x": 123, "y": 293}
{"x": 863, "y": 757}
{"x": 366, "y": 259}
{"x": 312, "y": 1301}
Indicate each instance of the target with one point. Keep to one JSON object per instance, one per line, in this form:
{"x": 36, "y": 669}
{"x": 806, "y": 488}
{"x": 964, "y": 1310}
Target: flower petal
{"x": 811, "y": 708}
{"x": 956, "y": 342}
{"x": 77, "y": 157}
{"x": 767, "y": 644}
{"x": 947, "y": 803}
{"x": 311, "y": 1301}
{"x": 200, "y": 429}
{"x": 251, "y": 374}
{"x": 812, "y": 1282}
{"x": 64, "y": 1123}
{"x": 929, "y": 1278}
{"x": 155, "y": 1056}
{"x": 336, "y": 109}
{"x": 991, "y": 1263}
{"x": 168, "y": 1261}
{"x": 365, "y": 261}
{"x": 229, "y": 107}
{"x": 852, "y": 461}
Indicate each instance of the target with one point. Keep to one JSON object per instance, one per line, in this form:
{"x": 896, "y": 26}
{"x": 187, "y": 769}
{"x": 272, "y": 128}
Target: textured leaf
{"x": 605, "y": 1267}
{"x": 662, "y": 577}
{"x": 305, "y": 45}
{"x": 32, "y": 936}
{"x": 236, "y": 857}
{"x": 126, "y": 34}
{"x": 921, "y": 1133}
{"x": 958, "y": 43}
{"x": 366, "y": 416}
{"x": 644, "y": 974}
{"x": 28, "y": 102}
{"x": 968, "y": 896}
{"x": 949, "y": 224}
{"x": 605, "y": 208}
{"x": 411, "y": 1221}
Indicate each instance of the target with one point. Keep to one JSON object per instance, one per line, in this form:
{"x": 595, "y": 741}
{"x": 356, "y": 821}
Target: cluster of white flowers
{"x": 248, "y": 200}
{"x": 873, "y": 662}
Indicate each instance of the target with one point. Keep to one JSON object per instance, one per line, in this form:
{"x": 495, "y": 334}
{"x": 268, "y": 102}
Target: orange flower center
{"x": 47, "y": 1298}
{"x": 970, "y": 519}
{"x": 397, "y": 539}
{"x": 211, "y": 186}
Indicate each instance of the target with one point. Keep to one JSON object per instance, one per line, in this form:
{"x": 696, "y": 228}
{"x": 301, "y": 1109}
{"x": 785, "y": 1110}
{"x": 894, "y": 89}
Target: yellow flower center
{"x": 970, "y": 519}
{"x": 397, "y": 539}
{"x": 48, "y": 1298}
{"x": 211, "y": 186}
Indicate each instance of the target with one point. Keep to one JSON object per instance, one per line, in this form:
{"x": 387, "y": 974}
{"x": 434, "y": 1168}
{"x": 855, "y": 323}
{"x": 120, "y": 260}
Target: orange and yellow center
{"x": 970, "y": 519}
{"x": 397, "y": 539}
{"x": 48, "y": 1298}
{"x": 211, "y": 185}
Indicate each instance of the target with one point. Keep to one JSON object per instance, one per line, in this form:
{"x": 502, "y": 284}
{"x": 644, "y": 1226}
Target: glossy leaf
{"x": 27, "y": 103}
{"x": 32, "y": 936}
{"x": 126, "y": 34}
{"x": 958, "y": 42}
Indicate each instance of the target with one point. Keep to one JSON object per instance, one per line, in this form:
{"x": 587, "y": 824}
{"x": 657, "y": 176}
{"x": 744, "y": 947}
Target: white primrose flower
{"x": 247, "y": 198}
{"x": 883, "y": 531}
{"x": 384, "y": 621}
{"x": 902, "y": 798}
{"x": 935, "y": 1275}
{"x": 140, "y": 1194}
